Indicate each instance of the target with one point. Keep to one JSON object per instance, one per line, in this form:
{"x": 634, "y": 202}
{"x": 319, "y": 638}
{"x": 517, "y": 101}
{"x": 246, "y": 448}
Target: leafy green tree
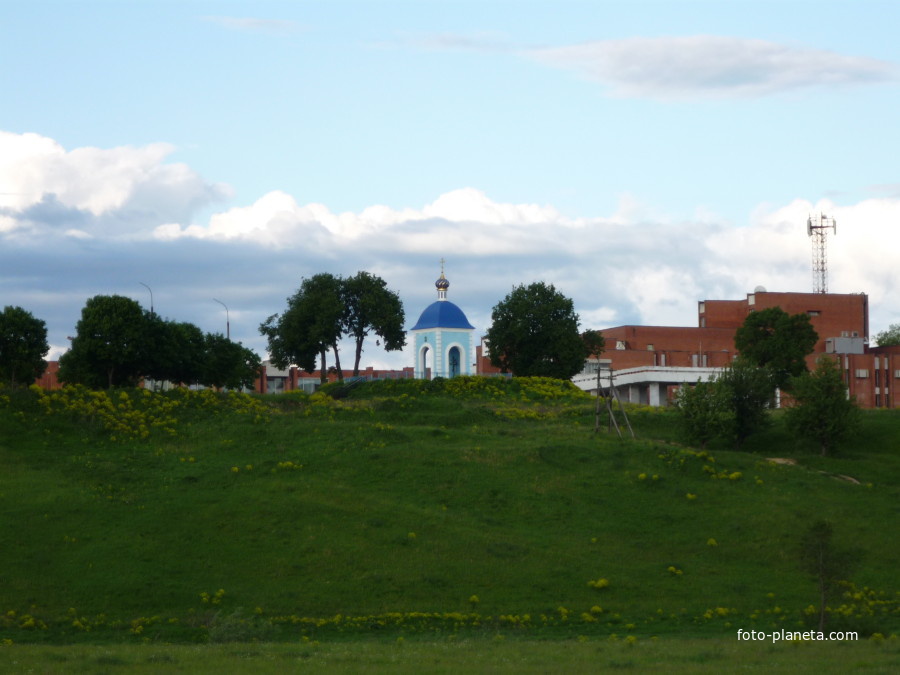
{"x": 594, "y": 342}
{"x": 109, "y": 347}
{"x": 228, "y": 364}
{"x": 369, "y": 306}
{"x": 703, "y": 411}
{"x": 186, "y": 364}
{"x": 534, "y": 331}
{"x": 23, "y": 346}
{"x": 310, "y": 326}
{"x": 287, "y": 343}
{"x": 776, "y": 340}
{"x": 822, "y": 412}
{"x": 176, "y": 351}
{"x": 747, "y": 392}
{"x": 889, "y": 337}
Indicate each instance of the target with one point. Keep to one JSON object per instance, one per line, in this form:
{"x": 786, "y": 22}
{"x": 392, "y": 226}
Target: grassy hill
{"x": 402, "y": 508}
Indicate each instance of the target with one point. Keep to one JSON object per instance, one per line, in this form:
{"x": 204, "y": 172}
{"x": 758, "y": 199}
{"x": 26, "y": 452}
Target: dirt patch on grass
{"x": 793, "y": 462}
{"x": 782, "y": 460}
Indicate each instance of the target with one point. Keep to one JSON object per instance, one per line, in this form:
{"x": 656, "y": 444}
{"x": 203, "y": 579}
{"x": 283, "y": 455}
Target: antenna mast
{"x": 817, "y": 228}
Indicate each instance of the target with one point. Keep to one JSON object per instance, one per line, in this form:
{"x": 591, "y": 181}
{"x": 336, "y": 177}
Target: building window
{"x": 620, "y": 344}
{"x": 702, "y": 307}
{"x": 862, "y": 373}
{"x": 649, "y": 348}
{"x": 813, "y": 312}
{"x": 702, "y": 322}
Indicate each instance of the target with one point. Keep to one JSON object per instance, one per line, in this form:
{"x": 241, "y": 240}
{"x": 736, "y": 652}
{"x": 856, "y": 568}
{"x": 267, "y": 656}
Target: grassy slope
{"x": 415, "y": 504}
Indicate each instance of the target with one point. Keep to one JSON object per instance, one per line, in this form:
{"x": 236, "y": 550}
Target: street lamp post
{"x": 149, "y": 381}
{"x": 151, "y": 295}
{"x": 227, "y": 319}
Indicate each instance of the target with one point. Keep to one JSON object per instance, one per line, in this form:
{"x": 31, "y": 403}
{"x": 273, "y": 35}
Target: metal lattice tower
{"x": 817, "y": 228}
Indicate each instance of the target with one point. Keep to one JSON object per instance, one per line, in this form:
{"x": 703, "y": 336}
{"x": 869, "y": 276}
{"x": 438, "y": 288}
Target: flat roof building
{"x": 648, "y": 363}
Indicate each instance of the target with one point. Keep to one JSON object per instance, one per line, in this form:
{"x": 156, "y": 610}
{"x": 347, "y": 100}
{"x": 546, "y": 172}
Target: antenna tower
{"x": 817, "y": 228}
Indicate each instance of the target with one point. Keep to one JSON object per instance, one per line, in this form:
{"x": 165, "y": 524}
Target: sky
{"x": 640, "y": 156}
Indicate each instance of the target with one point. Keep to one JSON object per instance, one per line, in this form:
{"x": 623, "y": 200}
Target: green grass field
{"x": 672, "y": 656}
{"x": 483, "y": 512}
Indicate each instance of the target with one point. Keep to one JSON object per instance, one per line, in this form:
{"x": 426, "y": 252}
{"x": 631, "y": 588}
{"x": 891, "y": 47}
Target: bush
{"x": 822, "y": 413}
{"x": 703, "y": 412}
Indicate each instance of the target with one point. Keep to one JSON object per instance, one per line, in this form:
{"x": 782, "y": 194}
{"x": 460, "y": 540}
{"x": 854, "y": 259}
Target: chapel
{"x": 443, "y": 338}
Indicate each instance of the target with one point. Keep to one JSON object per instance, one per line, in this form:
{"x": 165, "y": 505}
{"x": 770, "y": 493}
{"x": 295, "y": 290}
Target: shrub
{"x": 703, "y": 412}
{"x": 823, "y": 412}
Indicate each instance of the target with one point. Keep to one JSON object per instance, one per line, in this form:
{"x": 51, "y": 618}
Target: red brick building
{"x": 840, "y": 320}
{"x": 50, "y": 379}
{"x": 649, "y": 362}
{"x": 272, "y": 380}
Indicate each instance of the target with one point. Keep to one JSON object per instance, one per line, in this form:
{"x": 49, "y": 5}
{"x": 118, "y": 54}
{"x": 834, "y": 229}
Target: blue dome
{"x": 442, "y": 314}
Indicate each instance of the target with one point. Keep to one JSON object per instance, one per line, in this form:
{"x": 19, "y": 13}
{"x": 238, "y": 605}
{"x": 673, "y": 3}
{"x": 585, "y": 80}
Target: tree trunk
{"x": 323, "y": 374}
{"x": 359, "y": 344}
{"x": 337, "y": 362}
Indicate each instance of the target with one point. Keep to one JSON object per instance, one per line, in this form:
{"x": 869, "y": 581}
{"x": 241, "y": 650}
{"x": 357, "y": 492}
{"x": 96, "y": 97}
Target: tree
{"x": 109, "y": 345}
{"x": 889, "y": 337}
{"x": 703, "y": 410}
{"x": 827, "y": 564}
{"x": 287, "y": 344}
{"x": 311, "y": 325}
{"x": 228, "y": 364}
{"x": 822, "y": 413}
{"x": 370, "y": 306}
{"x": 534, "y": 331}
{"x": 176, "y": 351}
{"x": 594, "y": 342}
{"x": 23, "y": 346}
{"x": 779, "y": 341}
{"x": 746, "y": 391}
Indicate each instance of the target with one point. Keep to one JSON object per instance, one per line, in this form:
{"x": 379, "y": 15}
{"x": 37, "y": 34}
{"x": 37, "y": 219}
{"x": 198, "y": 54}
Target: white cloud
{"x": 113, "y": 191}
{"x": 861, "y": 255}
{"x": 457, "y": 218}
{"x": 632, "y": 266}
{"x": 470, "y": 205}
{"x": 710, "y": 66}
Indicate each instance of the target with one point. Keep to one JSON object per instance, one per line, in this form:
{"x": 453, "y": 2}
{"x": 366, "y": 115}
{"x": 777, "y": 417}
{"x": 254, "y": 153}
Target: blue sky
{"x": 638, "y": 155}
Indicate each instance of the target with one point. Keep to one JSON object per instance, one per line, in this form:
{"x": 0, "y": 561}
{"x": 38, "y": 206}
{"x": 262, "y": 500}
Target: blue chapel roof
{"x": 442, "y": 314}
